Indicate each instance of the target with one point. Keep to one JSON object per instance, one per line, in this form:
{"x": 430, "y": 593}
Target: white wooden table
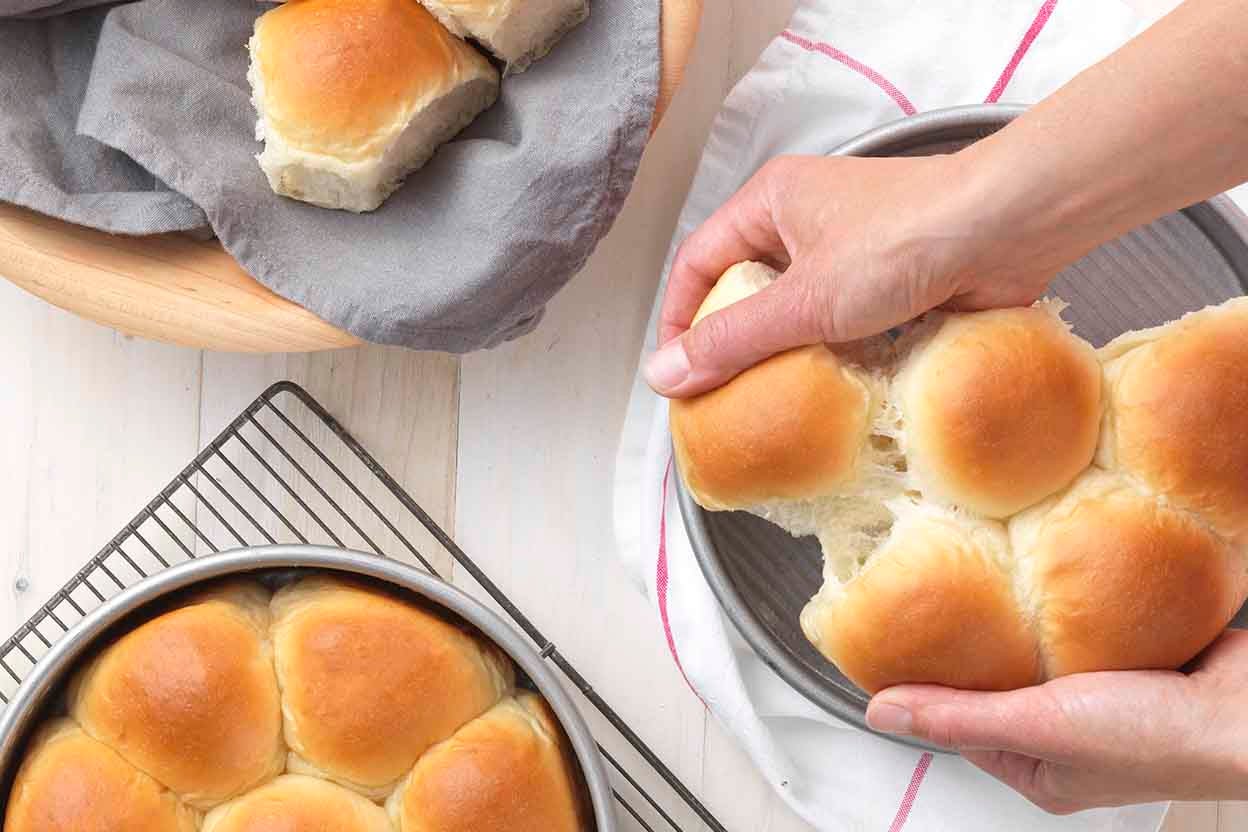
{"x": 512, "y": 449}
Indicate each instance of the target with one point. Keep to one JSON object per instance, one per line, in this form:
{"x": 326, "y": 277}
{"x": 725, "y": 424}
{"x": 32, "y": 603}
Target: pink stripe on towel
{"x": 912, "y": 791}
{"x": 1033, "y": 32}
{"x": 660, "y": 577}
{"x": 857, "y": 66}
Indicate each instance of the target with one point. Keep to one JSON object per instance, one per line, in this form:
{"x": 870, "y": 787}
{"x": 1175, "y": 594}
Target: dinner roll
{"x": 935, "y": 603}
{"x": 517, "y": 31}
{"x": 1178, "y": 413}
{"x": 69, "y": 782}
{"x": 507, "y": 770}
{"x": 370, "y": 681}
{"x": 1000, "y": 408}
{"x": 353, "y": 95}
{"x": 795, "y": 426}
{"x": 190, "y": 697}
{"x": 294, "y": 803}
{"x": 1117, "y": 580}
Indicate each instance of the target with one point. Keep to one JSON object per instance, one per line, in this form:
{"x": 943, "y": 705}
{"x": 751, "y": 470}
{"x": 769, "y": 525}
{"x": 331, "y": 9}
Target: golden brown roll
{"x": 1119, "y": 581}
{"x": 69, "y": 782}
{"x": 794, "y": 426}
{"x": 353, "y": 95}
{"x": 517, "y": 31}
{"x": 508, "y": 770}
{"x": 1178, "y": 413}
{"x": 935, "y": 603}
{"x": 1001, "y": 408}
{"x": 370, "y": 681}
{"x": 190, "y": 697}
{"x": 294, "y": 803}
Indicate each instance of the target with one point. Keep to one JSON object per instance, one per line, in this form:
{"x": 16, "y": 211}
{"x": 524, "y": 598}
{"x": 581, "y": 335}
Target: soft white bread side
{"x": 353, "y": 95}
{"x": 1117, "y": 580}
{"x": 69, "y": 782}
{"x": 1178, "y": 413}
{"x": 370, "y": 681}
{"x": 294, "y": 803}
{"x": 934, "y": 603}
{"x": 516, "y": 31}
{"x": 510, "y": 769}
{"x": 190, "y": 697}
{"x": 796, "y": 426}
{"x": 1000, "y": 408}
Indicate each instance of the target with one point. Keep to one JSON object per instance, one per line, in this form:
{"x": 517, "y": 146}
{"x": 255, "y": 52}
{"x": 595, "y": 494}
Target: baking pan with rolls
{"x": 997, "y": 502}
{"x": 297, "y": 688}
{"x": 989, "y": 499}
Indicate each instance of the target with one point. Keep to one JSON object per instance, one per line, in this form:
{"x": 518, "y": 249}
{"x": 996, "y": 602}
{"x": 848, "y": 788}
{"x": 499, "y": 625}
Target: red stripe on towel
{"x": 1033, "y": 32}
{"x": 912, "y": 791}
{"x": 857, "y": 66}
{"x": 660, "y": 577}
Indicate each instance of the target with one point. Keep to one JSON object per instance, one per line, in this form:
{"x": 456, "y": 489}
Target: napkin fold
{"x": 840, "y": 68}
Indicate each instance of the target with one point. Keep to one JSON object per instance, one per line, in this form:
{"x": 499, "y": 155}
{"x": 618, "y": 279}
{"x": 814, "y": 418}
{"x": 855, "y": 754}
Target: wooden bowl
{"x": 171, "y": 287}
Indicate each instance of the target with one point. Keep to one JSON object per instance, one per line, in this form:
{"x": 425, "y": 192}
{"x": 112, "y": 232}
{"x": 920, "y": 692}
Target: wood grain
{"x": 94, "y": 424}
{"x": 166, "y": 287}
{"x": 401, "y": 405}
{"x": 175, "y": 289}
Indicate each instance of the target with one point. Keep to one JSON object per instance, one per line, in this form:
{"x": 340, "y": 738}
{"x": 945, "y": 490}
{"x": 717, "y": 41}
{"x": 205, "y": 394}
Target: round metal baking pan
{"x": 42, "y": 690}
{"x": 1186, "y": 260}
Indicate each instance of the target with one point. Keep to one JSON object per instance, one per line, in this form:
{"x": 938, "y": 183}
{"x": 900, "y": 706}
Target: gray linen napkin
{"x": 464, "y": 256}
{"x": 45, "y": 68}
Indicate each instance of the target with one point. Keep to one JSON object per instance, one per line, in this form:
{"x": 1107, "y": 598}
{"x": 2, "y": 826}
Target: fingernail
{"x": 889, "y": 718}
{"x": 667, "y": 368}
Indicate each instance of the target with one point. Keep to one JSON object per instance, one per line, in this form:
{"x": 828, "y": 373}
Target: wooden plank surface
{"x": 92, "y": 425}
{"x": 539, "y": 422}
{"x": 515, "y": 456}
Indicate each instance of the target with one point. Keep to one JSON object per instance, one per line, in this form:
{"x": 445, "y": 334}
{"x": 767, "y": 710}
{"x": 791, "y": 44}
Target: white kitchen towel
{"x": 840, "y": 68}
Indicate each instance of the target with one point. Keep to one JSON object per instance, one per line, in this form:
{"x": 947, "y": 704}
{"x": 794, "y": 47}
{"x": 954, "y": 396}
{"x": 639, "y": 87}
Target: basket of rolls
{"x": 296, "y": 688}
{"x": 297, "y": 176}
{"x": 987, "y": 500}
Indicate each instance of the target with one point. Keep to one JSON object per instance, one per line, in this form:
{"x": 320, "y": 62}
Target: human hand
{"x": 1096, "y": 739}
{"x": 870, "y": 243}
{"x": 866, "y": 244}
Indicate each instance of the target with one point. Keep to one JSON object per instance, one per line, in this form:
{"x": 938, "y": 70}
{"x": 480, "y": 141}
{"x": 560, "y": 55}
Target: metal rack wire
{"x": 268, "y": 478}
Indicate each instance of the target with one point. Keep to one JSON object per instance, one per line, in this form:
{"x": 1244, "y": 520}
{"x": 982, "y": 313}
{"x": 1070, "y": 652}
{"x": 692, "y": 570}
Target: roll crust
{"x": 1178, "y": 415}
{"x": 1119, "y": 581}
{"x": 190, "y": 697}
{"x": 343, "y": 78}
{"x": 70, "y": 782}
{"x": 370, "y": 681}
{"x": 794, "y": 426}
{"x": 508, "y": 769}
{"x": 294, "y": 803}
{"x": 934, "y": 604}
{"x": 1001, "y": 409}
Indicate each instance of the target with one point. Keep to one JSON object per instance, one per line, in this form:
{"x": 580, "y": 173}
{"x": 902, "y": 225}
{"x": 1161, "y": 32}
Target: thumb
{"x": 1028, "y": 721}
{"x": 781, "y": 316}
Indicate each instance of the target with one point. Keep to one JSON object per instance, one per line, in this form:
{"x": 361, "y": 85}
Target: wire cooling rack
{"x": 268, "y": 478}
